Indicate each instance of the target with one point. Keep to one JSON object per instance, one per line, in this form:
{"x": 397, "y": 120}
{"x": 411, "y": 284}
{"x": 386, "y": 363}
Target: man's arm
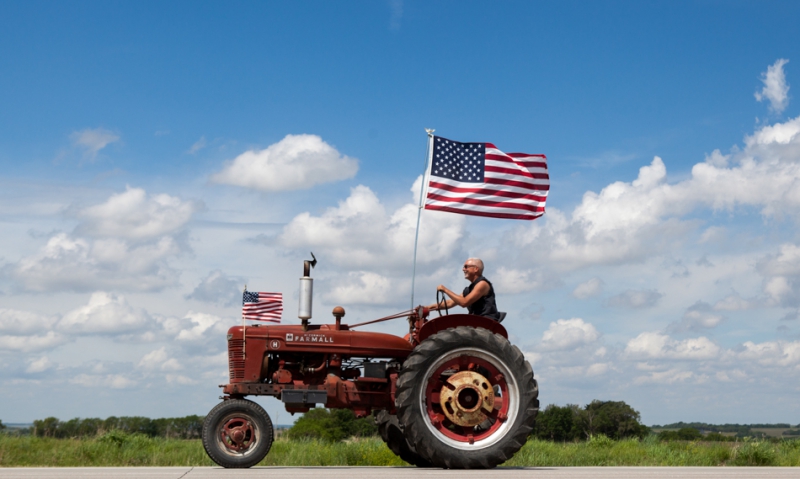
{"x": 480, "y": 290}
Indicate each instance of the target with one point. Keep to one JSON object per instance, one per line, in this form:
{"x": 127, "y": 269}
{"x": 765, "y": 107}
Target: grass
{"x": 119, "y": 449}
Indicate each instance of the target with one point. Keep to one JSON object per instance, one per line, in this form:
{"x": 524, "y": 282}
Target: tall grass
{"x": 122, "y": 449}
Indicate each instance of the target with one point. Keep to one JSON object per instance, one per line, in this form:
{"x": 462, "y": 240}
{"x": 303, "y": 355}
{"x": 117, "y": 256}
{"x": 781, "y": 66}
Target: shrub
{"x": 682, "y": 434}
{"x": 331, "y": 425}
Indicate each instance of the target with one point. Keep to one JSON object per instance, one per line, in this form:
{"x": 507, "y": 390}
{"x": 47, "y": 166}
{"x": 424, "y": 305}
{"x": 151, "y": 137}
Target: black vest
{"x": 485, "y": 306}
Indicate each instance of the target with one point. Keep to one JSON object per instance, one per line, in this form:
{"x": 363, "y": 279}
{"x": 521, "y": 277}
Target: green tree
{"x": 614, "y": 419}
{"x": 47, "y": 427}
{"x": 2, "y": 426}
{"x": 331, "y": 425}
{"x": 557, "y": 423}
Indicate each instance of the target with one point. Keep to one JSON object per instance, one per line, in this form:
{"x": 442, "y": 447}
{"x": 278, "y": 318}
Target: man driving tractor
{"x": 478, "y": 297}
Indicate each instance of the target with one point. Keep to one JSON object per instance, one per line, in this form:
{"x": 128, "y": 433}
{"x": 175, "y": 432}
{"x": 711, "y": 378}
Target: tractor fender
{"x": 454, "y": 320}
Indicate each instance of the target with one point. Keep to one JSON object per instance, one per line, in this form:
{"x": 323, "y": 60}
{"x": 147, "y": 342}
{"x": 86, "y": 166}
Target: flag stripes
{"x": 262, "y": 306}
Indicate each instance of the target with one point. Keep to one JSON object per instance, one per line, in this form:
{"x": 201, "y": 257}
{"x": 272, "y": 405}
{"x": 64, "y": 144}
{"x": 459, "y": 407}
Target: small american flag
{"x": 478, "y": 179}
{"x": 262, "y": 306}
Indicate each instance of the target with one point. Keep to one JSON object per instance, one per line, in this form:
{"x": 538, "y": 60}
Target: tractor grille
{"x": 236, "y": 358}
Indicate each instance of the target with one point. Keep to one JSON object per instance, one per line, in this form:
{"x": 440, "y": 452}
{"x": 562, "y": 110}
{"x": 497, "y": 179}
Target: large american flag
{"x": 478, "y": 179}
{"x": 262, "y": 306}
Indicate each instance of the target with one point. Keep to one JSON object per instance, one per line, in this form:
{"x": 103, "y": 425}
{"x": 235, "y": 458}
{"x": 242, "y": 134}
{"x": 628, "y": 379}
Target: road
{"x": 398, "y": 472}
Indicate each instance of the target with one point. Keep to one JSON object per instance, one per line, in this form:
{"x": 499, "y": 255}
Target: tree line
{"x": 188, "y": 427}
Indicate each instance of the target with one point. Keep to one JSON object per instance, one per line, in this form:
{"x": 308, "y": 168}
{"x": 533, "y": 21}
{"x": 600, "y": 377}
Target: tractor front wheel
{"x": 237, "y": 433}
{"x": 466, "y": 399}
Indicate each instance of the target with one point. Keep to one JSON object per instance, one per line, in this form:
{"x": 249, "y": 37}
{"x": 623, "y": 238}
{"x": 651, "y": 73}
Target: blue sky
{"x": 666, "y": 272}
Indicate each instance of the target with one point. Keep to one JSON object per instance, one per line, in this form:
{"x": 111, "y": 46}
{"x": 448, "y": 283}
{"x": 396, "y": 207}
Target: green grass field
{"x": 117, "y": 449}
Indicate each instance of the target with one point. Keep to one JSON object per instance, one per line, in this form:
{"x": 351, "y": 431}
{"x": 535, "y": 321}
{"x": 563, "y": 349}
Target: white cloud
{"x": 76, "y": 264}
{"x": 92, "y": 140}
{"x": 635, "y": 299}
{"x": 665, "y": 377}
{"x": 776, "y": 90}
{"x": 203, "y": 327}
{"x": 360, "y": 234}
{"x": 772, "y": 353}
{"x": 568, "y": 334}
{"x": 699, "y": 316}
{"x": 105, "y": 313}
{"x": 159, "y": 359}
{"x": 135, "y": 236}
{"x": 513, "y": 281}
{"x": 362, "y": 287}
{"x": 588, "y": 289}
{"x": 154, "y": 359}
{"x": 658, "y": 345}
{"x": 296, "y": 162}
{"x": 39, "y": 365}
{"x": 198, "y": 145}
{"x": 33, "y": 342}
{"x": 219, "y": 288}
{"x": 733, "y": 302}
{"x": 114, "y": 381}
{"x": 24, "y": 322}
{"x": 134, "y": 215}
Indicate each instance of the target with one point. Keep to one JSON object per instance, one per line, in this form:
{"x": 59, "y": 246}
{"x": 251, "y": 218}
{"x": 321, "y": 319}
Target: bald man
{"x": 478, "y": 297}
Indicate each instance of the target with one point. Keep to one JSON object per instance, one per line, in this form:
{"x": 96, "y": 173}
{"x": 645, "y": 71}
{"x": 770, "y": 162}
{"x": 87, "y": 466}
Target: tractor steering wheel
{"x": 441, "y": 300}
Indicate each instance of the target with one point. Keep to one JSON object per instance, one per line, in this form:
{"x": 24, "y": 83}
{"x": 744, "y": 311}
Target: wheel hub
{"x": 466, "y": 398}
{"x": 237, "y": 434}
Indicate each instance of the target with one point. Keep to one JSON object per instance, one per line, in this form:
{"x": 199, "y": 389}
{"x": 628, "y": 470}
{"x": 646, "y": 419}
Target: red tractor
{"x": 454, "y": 393}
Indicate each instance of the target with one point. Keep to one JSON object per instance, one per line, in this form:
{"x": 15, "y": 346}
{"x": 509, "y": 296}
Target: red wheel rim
{"x": 438, "y": 380}
{"x": 237, "y": 434}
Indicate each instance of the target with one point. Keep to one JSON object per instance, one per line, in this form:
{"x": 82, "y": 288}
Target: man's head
{"x": 473, "y": 268}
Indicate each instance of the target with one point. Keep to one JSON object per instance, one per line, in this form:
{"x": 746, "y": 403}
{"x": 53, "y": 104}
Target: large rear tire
{"x": 466, "y": 399}
{"x": 237, "y": 433}
{"x": 392, "y": 434}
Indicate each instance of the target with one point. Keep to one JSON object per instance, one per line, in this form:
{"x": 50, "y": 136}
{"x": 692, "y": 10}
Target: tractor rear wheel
{"x": 392, "y": 435}
{"x": 466, "y": 399}
{"x": 237, "y": 433}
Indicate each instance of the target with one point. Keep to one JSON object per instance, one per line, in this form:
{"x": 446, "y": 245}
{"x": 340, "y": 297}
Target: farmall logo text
{"x": 308, "y": 338}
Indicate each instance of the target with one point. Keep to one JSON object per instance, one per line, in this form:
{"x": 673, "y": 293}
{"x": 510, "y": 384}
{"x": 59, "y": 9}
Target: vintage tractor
{"x": 454, "y": 393}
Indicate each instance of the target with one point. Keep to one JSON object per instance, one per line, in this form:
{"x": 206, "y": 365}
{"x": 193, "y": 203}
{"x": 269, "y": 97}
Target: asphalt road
{"x": 398, "y": 472}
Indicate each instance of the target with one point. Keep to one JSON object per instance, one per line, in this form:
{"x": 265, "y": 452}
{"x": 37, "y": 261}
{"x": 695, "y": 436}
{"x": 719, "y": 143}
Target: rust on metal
{"x": 467, "y": 398}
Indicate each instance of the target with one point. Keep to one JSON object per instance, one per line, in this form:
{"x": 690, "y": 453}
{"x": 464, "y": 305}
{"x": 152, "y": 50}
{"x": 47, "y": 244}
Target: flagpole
{"x": 428, "y": 155}
{"x": 244, "y": 330}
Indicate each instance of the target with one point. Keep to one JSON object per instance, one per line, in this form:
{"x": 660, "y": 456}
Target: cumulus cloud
{"x": 135, "y": 215}
{"x": 568, "y": 334}
{"x": 203, "y": 327}
{"x": 13, "y": 321}
{"x": 588, "y": 289}
{"x": 218, "y": 288}
{"x": 659, "y": 345}
{"x": 92, "y": 140}
{"x": 360, "y": 234}
{"x": 772, "y": 353}
{"x": 699, "y": 316}
{"x": 105, "y": 313}
{"x": 362, "y": 287}
{"x": 39, "y": 365}
{"x": 32, "y": 342}
{"x": 123, "y": 243}
{"x": 775, "y": 89}
{"x": 635, "y": 299}
{"x": 294, "y": 163}
{"x": 159, "y": 359}
{"x": 67, "y": 263}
